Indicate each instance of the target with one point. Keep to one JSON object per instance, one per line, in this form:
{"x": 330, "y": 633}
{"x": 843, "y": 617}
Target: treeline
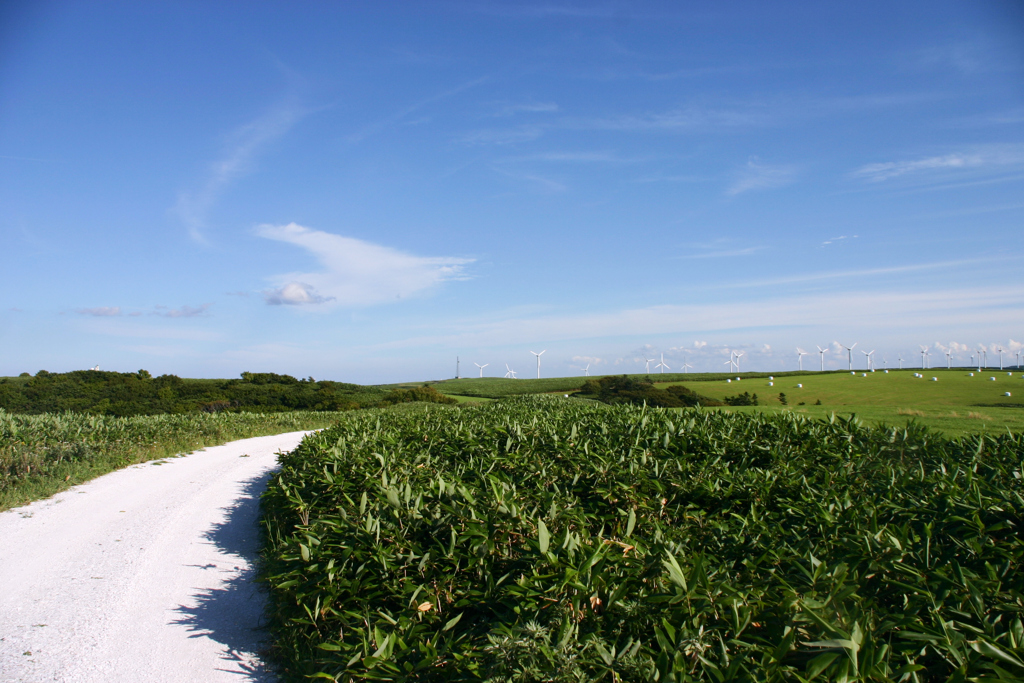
{"x": 636, "y": 391}
{"x": 139, "y": 393}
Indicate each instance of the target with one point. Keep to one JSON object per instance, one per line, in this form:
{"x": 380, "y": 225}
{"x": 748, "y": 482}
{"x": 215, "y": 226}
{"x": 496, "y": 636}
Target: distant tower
{"x": 457, "y": 376}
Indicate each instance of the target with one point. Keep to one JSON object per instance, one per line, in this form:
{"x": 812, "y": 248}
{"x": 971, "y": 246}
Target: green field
{"x": 956, "y": 404}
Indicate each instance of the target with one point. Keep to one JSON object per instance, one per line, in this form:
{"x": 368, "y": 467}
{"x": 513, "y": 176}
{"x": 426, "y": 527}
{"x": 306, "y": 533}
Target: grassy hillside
{"x": 956, "y": 404}
{"x": 897, "y": 388}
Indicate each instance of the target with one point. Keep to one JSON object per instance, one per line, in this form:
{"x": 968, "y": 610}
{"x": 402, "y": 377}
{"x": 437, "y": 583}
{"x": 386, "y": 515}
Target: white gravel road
{"x": 145, "y": 574}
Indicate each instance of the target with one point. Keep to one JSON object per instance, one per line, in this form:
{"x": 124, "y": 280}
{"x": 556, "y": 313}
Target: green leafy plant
{"x": 539, "y": 539}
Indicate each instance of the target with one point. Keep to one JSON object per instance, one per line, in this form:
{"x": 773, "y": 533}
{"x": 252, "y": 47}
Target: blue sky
{"x": 363, "y": 192}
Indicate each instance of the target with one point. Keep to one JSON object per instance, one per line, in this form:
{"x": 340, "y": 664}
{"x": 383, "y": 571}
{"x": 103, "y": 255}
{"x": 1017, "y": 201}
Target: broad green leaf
{"x": 451, "y": 623}
{"x": 543, "y": 537}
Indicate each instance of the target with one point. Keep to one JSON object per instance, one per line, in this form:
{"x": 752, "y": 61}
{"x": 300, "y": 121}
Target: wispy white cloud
{"x": 355, "y": 273}
{"x": 547, "y": 10}
{"x": 723, "y": 253}
{"x": 502, "y": 136}
{"x": 990, "y": 158}
{"x": 723, "y": 247}
{"x": 101, "y": 311}
{"x": 682, "y": 119}
{"x": 759, "y": 176}
{"x": 183, "y": 312}
{"x": 402, "y": 114}
{"x": 244, "y": 145}
{"x": 534, "y": 179}
{"x": 860, "y": 273}
{"x": 671, "y": 179}
{"x": 963, "y": 57}
{"x": 527, "y": 108}
{"x": 600, "y": 157}
{"x": 840, "y": 238}
{"x": 876, "y": 312}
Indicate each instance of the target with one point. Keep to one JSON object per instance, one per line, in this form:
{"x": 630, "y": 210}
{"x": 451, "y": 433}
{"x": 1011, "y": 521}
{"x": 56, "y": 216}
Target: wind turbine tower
{"x": 481, "y": 368}
{"x": 511, "y": 373}
{"x": 738, "y": 354}
{"x": 538, "y": 360}
{"x": 1000, "y": 357}
{"x": 924, "y": 354}
{"x": 686, "y": 365}
{"x": 457, "y": 375}
{"x": 949, "y": 359}
{"x": 586, "y": 370}
{"x": 822, "y": 352}
{"x": 849, "y": 353}
{"x": 867, "y": 359}
{"x": 800, "y": 353}
{"x": 662, "y": 365}
{"x": 647, "y": 363}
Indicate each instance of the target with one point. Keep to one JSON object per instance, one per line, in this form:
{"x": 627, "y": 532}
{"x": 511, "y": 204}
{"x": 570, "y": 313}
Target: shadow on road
{"x": 233, "y": 614}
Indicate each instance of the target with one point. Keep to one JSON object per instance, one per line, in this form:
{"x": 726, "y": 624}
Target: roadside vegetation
{"x": 544, "y": 539}
{"x": 44, "y": 454}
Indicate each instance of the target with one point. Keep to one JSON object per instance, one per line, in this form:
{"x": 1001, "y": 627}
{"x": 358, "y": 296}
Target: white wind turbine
{"x": 647, "y": 364}
{"x": 800, "y": 353}
{"x": 901, "y": 361}
{"x": 538, "y": 360}
{"x": 1000, "y": 357}
{"x": 686, "y": 365}
{"x": 849, "y": 352}
{"x": 481, "y": 367}
{"x": 924, "y": 354}
{"x": 949, "y": 359}
{"x": 662, "y": 365}
{"x": 738, "y": 354}
{"x": 511, "y": 373}
{"x": 822, "y": 352}
{"x": 867, "y": 358}
{"x": 1017, "y": 355}
{"x": 984, "y": 354}
{"x": 586, "y": 370}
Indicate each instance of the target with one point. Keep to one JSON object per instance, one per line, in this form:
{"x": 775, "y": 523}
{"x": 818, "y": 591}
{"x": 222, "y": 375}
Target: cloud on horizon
{"x": 874, "y": 315}
{"x": 100, "y": 311}
{"x": 355, "y": 273}
{"x": 183, "y": 312}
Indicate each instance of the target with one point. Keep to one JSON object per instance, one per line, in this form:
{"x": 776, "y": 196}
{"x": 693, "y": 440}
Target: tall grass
{"x": 43, "y": 454}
